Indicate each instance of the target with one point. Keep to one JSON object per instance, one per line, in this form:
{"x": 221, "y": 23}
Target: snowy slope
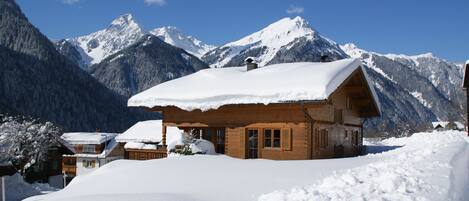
{"x": 175, "y": 37}
{"x": 277, "y": 38}
{"x": 415, "y": 90}
{"x": 429, "y": 166}
{"x": 96, "y": 46}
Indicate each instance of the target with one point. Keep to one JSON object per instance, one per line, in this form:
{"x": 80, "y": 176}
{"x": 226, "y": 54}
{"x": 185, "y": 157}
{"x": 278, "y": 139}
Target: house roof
{"x": 87, "y": 138}
{"x": 289, "y": 82}
{"x": 108, "y": 148}
{"x": 146, "y": 132}
{"x": 440, "y": 123}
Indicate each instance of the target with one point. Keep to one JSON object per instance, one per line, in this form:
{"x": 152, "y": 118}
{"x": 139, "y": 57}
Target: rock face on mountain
{"x": 175, "y": 37}
{"x": 146, "y": 63}
{"x": 420, "y": 89}
{"x": 70, "y": 51}
{"x": 120, "y": 34}
{"x": 287, "y": 40}
{"x": 37, "y": 81}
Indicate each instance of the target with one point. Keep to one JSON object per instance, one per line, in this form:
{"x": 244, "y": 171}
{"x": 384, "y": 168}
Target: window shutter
{"x": 286, "y": 139}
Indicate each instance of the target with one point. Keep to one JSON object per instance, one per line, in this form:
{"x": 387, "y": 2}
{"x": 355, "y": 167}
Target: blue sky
{"x": 400, "y": 26}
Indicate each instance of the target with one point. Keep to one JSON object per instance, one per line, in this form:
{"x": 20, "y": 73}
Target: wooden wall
{"x": 343, "y": 111}
{"x": 141, "y": 154}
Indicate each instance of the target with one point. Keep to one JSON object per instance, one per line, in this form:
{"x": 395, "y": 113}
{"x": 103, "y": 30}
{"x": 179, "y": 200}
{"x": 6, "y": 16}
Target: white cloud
{"x": 155, "y": 2}
{"x": 295, "y": 10}
{"x": 70, "y": 2}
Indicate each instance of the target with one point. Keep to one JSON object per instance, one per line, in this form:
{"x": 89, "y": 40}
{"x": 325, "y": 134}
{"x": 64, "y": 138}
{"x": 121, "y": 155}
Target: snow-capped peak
{"x": 123, "y": 20}
{"x": 176, "y": 37}
{"x": 273, "y": 38}
{"x": 352, "y": 50}
{"x": 278, "y": 33}
{"x": 122, "y": 32}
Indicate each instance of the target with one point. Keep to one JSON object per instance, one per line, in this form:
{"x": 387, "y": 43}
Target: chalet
{"x": 143, "y": 141}
{"x": 285, "y": 111}
{"x": 440, "y": 125}
{"x": 91, "y": 150}
{"x": 448, "y": 125}
{"x": 465, "y": 85}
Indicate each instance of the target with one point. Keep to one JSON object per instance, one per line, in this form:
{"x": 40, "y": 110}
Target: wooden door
{"x": 252, "y": 143}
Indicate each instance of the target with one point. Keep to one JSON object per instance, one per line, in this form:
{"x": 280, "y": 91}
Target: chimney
{"x": 250, "y": 63}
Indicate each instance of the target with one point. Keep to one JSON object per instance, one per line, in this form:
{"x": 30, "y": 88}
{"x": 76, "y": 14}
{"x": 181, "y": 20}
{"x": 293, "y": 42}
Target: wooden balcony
{"x": 146, "y": 154}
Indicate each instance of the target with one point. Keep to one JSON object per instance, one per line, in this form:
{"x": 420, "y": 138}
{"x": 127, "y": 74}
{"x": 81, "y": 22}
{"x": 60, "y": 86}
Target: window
{"x": 89, "y": 163}
{"x": 349, "y": 103}
{"x": 324, "y": 135}
{"x": 272, "y": 138}
{"x": 338, "y": 116}
{"x": 356, "y": 138}
{"x": 346, "y": 134}
{"x": 89, "y": 148}
{"x": 268, "y": 138}
{"x": 316, "y": 137}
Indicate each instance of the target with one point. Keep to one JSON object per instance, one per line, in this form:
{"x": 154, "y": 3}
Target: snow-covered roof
{"x": 288, "y": 82}
{"x": 139, "y": 145}
{"x": 440, "y": 123}
{"x": 87, "y": 138}
{"x": 142, "y": 133}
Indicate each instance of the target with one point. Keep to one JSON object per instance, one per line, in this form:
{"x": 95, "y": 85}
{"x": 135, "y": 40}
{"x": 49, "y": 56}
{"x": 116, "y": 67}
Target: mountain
{"x": 37, "y": 81}
{"x": 96, "y": 46}
{"x": 175, "y": 37}
{"x": 286, "y": 40}
{"x": 146, "y": 63}
{"x": 123, "y": 32}
{"x": 424, "y": 89}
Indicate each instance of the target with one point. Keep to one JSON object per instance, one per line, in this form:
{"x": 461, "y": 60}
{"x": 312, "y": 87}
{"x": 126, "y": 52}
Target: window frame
{"x": 87, "y": 148}
{"x": 323, "y": 138}
{"x": 272, "y": 138}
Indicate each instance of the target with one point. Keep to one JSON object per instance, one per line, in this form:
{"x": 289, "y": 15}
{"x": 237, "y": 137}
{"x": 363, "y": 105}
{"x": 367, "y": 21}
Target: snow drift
{"x": 428, "y": 166}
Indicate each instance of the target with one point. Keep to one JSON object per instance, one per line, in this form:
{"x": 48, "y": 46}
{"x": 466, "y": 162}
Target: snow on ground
{"x": 425, "y": 166}
{"x": 17, "y": 189}
{"x": 429, "y": 166}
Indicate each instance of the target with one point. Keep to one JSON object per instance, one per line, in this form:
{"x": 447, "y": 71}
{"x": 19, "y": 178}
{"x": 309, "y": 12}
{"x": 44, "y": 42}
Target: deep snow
{"x": 425, "y": 166}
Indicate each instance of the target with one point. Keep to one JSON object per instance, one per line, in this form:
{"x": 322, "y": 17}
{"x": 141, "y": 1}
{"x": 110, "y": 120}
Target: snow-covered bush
{"x": 190, "y": 145}
{"x": 201, "y": 146}
{"x": 25, "y": 141}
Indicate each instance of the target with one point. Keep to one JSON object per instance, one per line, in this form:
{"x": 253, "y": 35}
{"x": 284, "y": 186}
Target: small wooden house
{"x": 143, "y": 141}
{"x": 284, "y": 111}
{"x": 91, "y": 150}
{"x": 465, "y": 85}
